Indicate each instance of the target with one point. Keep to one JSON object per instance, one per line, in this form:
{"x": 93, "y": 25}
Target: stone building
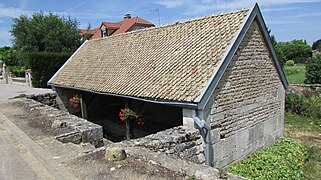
{"x": 219, "y": 74}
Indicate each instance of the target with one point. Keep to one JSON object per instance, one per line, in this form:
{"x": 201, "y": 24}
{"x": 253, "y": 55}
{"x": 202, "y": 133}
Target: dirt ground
{"x": 77, "y": 160}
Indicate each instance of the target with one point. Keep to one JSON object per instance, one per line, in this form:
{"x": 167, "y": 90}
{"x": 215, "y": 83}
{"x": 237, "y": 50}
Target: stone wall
{"x": 181, "y": 141}
{"x": 47, "y": 99}
{"x": 307, "y": 90}
{"x": 248, "y": 106}
{"x": 79, "y": 130}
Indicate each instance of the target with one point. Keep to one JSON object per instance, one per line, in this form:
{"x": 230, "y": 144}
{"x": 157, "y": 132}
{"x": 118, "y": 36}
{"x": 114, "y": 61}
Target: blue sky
{"x": 288, "y": 19}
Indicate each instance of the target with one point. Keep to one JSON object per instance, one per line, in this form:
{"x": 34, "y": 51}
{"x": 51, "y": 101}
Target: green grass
{"x": 295, "y": 74}
{"x": 301, "y": 123}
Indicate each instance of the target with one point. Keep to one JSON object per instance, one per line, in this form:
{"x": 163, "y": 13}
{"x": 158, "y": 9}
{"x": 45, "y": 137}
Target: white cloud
{"x": 314, "y": 14}
{"x": 13, "y": 12}
{"x": 203, "y": 6}
{"x": 278, "y": 9}
{"x": 76, "y": 6}
{"x": 171, "y": 3}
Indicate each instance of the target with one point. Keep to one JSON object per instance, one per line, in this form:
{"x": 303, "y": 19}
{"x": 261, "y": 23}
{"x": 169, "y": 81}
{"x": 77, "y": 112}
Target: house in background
{"x": 219, "y": 74}
{"x": 113, "y": 28}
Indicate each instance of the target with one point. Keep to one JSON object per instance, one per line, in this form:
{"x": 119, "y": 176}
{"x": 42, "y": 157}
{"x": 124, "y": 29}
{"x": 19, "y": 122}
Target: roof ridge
{"x": 172, "y": 24}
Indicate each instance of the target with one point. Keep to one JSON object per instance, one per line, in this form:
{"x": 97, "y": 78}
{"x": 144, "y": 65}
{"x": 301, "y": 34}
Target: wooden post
{"x": 83, "y": 107}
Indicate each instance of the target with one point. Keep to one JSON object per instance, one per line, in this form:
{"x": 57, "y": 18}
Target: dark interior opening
{"x": 104, "y": 110}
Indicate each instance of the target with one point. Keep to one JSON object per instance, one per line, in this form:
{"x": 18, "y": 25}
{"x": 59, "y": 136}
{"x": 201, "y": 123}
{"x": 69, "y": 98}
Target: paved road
{"x": 12, "y": 90}
{"x": 21, "y": 157}
{"x": 11, "y": 161}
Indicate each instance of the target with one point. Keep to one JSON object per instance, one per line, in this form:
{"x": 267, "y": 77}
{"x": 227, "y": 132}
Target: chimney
{"x": 127, "y": 16}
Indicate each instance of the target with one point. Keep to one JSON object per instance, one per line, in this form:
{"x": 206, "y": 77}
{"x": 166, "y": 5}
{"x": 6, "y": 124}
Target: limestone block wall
{"x": 180, "y": 141}
{"x": 248, "y": 106}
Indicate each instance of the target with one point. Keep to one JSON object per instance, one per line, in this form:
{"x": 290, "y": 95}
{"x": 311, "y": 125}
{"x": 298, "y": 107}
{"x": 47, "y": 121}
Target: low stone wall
{"x": 307, "y": 90}
{"x": 47, "y": 99}
{"x": 82, "y": 130}
{"x": 181, "y": 141}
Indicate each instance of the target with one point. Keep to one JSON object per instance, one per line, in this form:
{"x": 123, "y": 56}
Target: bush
{"x": 284, "y": 160}
{"x": 309, "y": 107}
{"x": 44, "y": 65}
{"x": 17, "y": 70}
{"x": 313, "y": 71}
{"x": 290, "y": 63}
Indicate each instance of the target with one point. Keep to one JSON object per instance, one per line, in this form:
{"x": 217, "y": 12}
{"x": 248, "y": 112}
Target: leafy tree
{"x": 278, "y": 51}
{"x": 313, "y": 71}
{"x": 45, "y": 32}
{"x": 10, "y": 56}
{"x": 297, "y": 50}
{"x": 273, "y": 40}
{"x": 317, "y": 45}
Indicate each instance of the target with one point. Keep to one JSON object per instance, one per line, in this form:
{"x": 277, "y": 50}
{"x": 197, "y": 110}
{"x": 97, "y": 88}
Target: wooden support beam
{"x": 83, "y": 107}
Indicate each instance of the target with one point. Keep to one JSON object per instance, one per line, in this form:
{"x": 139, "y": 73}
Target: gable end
{"x": 254, "y": 15}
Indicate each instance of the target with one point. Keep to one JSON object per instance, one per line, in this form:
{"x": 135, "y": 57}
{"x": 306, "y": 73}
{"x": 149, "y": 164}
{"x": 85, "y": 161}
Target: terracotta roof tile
{"x": 96, "y": 33}
{"x": 126, "y": 24}
{"x": 172, "y": 62}
{"x": 111, "y": 25}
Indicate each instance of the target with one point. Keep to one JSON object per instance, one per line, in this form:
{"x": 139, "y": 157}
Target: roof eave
{"x": 171, "y": 103}
{"x": 204, "y": 98}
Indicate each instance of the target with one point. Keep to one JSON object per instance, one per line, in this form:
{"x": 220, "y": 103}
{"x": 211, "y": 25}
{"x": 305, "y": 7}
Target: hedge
{"x": 44, "y": 65}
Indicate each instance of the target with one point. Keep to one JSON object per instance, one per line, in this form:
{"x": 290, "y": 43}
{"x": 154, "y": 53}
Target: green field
{"x": 295, "y": 74}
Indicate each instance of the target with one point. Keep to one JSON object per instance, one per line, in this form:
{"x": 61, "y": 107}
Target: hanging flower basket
{"x": 128, "y": 114}
{"x": 74, "y": 101}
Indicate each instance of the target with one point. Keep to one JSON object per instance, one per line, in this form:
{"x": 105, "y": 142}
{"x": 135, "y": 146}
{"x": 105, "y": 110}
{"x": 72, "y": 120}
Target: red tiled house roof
{"x": 113, "y": 28}
{"x": 94, "y": 33}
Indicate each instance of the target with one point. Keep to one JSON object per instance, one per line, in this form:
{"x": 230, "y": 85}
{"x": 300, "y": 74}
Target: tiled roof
{"x": 125, "y": 25}
{"x": 173, "y": 62}
{"x": 111, "y": 25}
{"x": 96, "y": 33}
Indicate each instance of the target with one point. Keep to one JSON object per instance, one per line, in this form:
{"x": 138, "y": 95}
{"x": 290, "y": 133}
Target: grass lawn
{"x": 295, "y": 74}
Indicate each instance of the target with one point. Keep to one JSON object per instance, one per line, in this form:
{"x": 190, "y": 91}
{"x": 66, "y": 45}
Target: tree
{"x": 45, "y": 32}
{"x": 87, "y": 35}
{"x": 297, "y": 50}
{"x": 313, "y": 71}
{"x": 10, "y": 56}
{"x": 317, "y": 45}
